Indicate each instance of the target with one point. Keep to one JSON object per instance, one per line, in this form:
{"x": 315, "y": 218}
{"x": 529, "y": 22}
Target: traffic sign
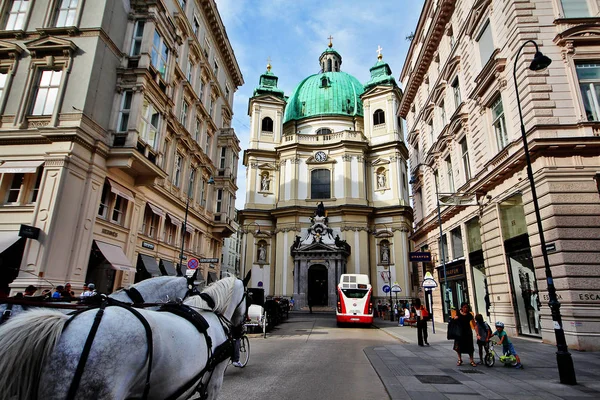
{"x": 192, "y": 263}
{"x": 429, "y": 284}
{"x": 209, "y": 260}
{"x": 396, "y": 289}
{"x": 386, "y": 288}
{"x": 189, "y": 272}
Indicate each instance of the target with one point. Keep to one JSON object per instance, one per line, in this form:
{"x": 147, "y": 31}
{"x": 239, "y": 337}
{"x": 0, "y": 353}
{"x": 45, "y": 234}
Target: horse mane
{"x": 220, "y": 291}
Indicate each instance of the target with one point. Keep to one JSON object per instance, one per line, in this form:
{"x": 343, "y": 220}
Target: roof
{"x": 381, "y": 74}
{"x": 327, "y": 93}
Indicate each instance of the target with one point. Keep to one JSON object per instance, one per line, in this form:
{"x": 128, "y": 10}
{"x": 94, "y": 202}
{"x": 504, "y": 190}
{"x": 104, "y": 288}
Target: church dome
{"x": 330, "y": 92}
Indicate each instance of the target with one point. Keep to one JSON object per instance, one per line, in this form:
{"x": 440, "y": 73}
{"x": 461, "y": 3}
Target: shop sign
{"x": 589, "y": 296}
{"x": 110, "y": 233}
{"x": 550, "y": 247}
{"x": 208, "y": 260}
{"x": 30, "y": 232}
{"x": 419, "y": 256}
{"x": 148, "y": 245}
{"x": 455, "y": 271}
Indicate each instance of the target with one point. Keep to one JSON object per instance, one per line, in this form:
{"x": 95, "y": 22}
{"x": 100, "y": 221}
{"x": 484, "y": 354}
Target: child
{"x": 507, "y": 346}
{"x": 484, "y": 333}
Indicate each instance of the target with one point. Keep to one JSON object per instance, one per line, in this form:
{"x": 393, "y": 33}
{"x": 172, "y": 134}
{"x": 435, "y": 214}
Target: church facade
{"x": 327, "y": 185}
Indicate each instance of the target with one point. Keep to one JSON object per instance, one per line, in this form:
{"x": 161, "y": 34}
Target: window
{"x": 320, "y": 184}
{"x": 575, "y": 8}
{"x": 457, "y": 243}
{"x": 443, "y": 114}
{"x": 267, "y": 124}
{"x": 216, "y": 69}
{"x": 378, "y": 117}
{"x": 208, "y": 143}
{"x": 190, "y": 70}
{"x": 112, "y": 201}
{"x": 184, "y": 111}
{"x": 456, "y": 92}
{"x": 136, "y": 42}
{"x": 202, "y": 192}
{"x": 15, "y": 188}
{"x": 323, "y": 131}
{"x": 177, "y": 170}
{"x": 149, "y": 124}
{"x": 223, "y": 157}
{"x": 227, "y": 91}
{"x": 182, "y": 4}
{"x": 197, "y": 130}
{"x": 485, "y": 42}
{"x": 192, "y": 183}
{"x": 124, "y": 111}
{"x": 36, "y": 186}
{"x": 210, "y": 107}
{"x": 430, "y": 131}
{"x": 3, "y": 79}
{"x": 66, "y": 12}
{"x": 219, "y": 200}
{"x": 47, "y": 92}
{"x": 196, "y": 26}
{"x": 160, "y": 54}
{"x": 499, "y": 124}
{"x": 103, "y": 209}
{"x": 16, "y": 15}
{"x": 118, "y": 214}
{"x": 450, "y": 174}
{"x": 150, "y": 222}
{"x": 170, "y": 231}
{"x": 465, "y": 158}
{"x": 445, "y": 248}
{"x": 589, "y": 84}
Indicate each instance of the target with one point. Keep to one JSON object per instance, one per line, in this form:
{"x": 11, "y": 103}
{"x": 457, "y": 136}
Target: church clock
{"x": 320, "y": 156}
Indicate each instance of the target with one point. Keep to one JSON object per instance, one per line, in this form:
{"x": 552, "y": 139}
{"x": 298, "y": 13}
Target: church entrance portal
{"x": 317, "y": 285}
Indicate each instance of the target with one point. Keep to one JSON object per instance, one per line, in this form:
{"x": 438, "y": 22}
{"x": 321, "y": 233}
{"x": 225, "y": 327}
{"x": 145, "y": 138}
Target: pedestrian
{"x": 67, "y": 293}
{"x": 464, "y": 345}
{"x": 310, "y": 303}
{"x": 236, "y": 333}
{"x": 30, "y": 291}
{"x": 405, "y": 315}
{"x": 58, "y": 292}
{"x": 378, "y": 309}
{"x": 91, "y": 291}
{"x": 422, "y": 318}
{"x": 484, "y": 333}
{"x": 292, "y": 302}
{"x": 507, "y": 346}
{"x": 85, "y": 290}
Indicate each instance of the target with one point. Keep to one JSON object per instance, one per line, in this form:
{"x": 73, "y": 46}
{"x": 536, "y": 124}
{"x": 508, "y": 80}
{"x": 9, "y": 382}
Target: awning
{"x": 156, "y": 210}
{"x": 120, "y": 190}
{"x": 150, "y": 264}
{"x": 212, "y": 277}
{"x": 7, "y": 239}
{"x": 174, "y": 220}
{"x": 167, "y": 268}
{"x": 115, "y": 256}
{"x": 20, "y": 167}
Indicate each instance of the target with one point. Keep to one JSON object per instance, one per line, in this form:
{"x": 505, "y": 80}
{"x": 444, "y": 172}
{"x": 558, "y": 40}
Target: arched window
{"x": 323, "y": 131}
{"x": 320, "y": 184}
{"x": 378, "y": 117}
{"x": 329, "y": 65}
{"x": 267, "y": 124}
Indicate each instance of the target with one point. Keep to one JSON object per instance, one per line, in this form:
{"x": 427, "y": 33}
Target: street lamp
{"x": 184, "y": 226}
{"x": 564, "y": 361}
{"x": 447, "y": 289}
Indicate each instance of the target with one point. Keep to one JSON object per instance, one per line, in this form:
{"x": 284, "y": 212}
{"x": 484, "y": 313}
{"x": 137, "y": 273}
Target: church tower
{"x": 320, "y": 147}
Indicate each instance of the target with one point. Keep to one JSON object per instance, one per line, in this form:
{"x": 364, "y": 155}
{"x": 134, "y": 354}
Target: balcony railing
{"x": 355, "y": 136}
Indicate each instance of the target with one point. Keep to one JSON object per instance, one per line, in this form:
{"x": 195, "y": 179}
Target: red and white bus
{"x": 354, "y": 299}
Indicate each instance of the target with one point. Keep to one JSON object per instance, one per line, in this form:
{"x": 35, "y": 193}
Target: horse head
{"x": 154, "y": 290}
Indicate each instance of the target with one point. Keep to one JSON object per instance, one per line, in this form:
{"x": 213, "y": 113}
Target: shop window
{"x": 267, "y": 124}
{"x": 46, "y": 93}
{"x": 320, "y": 184}
{"x": 378, "y": 117}
{"x": 136, "y": 41}
{"x": 16, "y": 13}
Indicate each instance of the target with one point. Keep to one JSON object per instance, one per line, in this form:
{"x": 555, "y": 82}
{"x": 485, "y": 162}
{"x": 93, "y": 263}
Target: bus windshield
{"x": 354, "y": 293}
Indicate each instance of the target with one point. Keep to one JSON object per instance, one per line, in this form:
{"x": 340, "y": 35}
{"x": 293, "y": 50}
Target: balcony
{"x": 223, "y": 226}
{"x": 336, "y": 137}
{"x": 138, "y": 161}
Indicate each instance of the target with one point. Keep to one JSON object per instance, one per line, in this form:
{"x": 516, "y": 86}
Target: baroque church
{"x": 327, "y": 185}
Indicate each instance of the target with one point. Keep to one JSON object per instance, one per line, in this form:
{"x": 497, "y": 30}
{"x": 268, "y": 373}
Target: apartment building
{"x": 465, "y": 145}
{"x": 117, "y": 155}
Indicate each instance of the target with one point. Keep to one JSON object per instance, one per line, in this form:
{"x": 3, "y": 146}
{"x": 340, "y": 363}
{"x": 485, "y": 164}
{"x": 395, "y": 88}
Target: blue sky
{"x": 294, "y": 34}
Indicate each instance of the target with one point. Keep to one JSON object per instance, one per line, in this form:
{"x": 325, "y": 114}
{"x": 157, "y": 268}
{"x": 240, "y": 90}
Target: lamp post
{"x": 184, "y": 226}
{"x": 447, "y": 290}
{"x": 564, "y": 361}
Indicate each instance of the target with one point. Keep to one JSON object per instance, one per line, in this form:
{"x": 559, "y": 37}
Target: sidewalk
{"x": 410, "y": 371}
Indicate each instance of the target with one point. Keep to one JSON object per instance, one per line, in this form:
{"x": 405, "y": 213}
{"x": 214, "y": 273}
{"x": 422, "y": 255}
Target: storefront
{"x": 523, "y": 281}
{"x": 456, "y": 283}
{"x": 477, "y": 264}
{"x": 146, "y": 268}
{"x": 105, "y": 263}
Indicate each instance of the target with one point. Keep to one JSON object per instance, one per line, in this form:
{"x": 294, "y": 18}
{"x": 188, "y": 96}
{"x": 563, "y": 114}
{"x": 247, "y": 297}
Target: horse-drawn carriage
{"x": 257, "y": 316}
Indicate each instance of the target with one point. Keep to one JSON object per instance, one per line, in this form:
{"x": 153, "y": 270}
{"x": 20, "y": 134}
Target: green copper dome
{"x": 327, "y": 93}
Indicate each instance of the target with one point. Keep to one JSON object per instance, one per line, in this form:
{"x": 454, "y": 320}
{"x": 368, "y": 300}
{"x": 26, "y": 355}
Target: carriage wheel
{"x": 244, "y": 350}
{"x": 264, "y": 324}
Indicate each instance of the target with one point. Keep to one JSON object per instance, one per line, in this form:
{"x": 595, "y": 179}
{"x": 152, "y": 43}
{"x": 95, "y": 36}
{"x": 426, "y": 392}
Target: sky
{"x": 294, "y": 33}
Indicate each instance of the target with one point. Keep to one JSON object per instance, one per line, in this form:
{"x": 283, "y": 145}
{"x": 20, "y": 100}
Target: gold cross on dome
{"x": 268, "y": 63}
{"x": 379, "y": 56}
{"x": 330, "y": 39}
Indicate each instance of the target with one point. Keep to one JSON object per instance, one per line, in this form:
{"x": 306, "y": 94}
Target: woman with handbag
{"x": 464, "y": 344}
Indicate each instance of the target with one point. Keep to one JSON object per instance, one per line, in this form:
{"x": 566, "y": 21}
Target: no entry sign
{"x": 193, "y": 263}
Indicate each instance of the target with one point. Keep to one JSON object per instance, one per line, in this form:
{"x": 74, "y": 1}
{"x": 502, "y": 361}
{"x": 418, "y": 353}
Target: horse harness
{"x": 221, "y": 353}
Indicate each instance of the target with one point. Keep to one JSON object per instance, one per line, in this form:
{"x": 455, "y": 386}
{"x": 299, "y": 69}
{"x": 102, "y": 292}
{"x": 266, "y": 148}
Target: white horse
{"x": 154, "y": 290}
{"x": 39, "y": 353}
